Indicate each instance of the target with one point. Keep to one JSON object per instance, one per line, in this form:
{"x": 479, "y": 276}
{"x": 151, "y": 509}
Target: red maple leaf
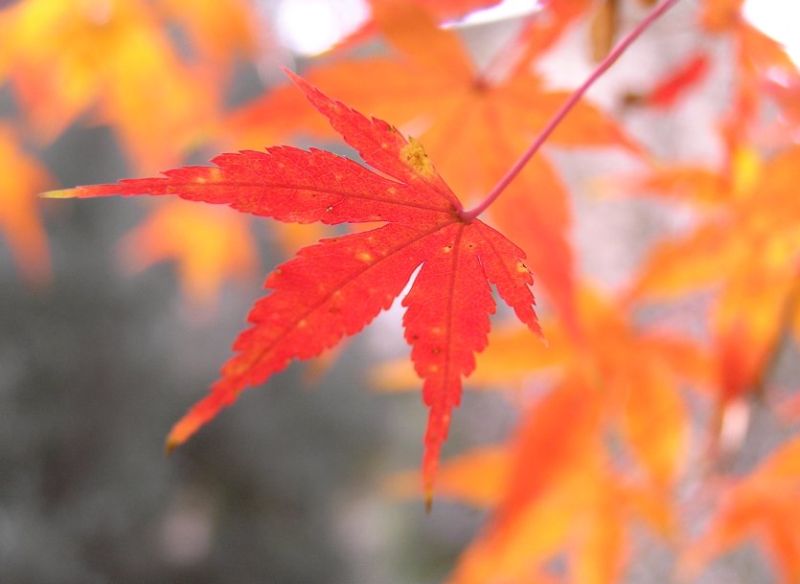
{"x": 336, "y": 287}
{"x": 675, "y": 84}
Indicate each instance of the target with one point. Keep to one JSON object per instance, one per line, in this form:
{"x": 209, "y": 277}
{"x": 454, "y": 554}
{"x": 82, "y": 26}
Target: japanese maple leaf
{"x": 334, "y": 288}
{"x": 748, "y": 245}
{"x": 431, "y": 84}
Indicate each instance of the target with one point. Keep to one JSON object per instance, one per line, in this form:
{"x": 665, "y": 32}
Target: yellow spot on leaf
{"x": 413, "y": 154}
{"x": 59, "y": 194}
{"x": 214, "y": 175}
{"x": 364, "y": 256}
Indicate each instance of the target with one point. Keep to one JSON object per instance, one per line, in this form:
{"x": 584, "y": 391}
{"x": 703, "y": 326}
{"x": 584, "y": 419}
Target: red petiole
{"x": 611, "y": 58}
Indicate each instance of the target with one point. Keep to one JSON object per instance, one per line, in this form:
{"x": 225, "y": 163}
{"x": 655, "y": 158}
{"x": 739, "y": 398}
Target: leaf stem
{"x": 611, "y": 58}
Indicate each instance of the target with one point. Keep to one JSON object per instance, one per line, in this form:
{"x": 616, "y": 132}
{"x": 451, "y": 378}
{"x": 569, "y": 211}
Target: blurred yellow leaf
{"x": 66, "y": 57}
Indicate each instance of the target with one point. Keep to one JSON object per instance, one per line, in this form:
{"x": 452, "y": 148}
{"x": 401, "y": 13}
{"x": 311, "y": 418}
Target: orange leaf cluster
{"x": 116, "y": 62}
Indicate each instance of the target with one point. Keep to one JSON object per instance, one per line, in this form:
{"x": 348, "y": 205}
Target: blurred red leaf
{"x": 677, "y": 82}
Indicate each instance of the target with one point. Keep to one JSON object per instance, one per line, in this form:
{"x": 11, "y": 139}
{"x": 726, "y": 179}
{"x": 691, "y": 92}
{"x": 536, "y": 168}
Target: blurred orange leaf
{"x": 21, "y": 178}
{"x": 761, "y": 506}
{"x": 209, "y": 245}
{"x": 750, "y": 245}
{"x": 219, "y": 31}
{"x": 479, "y": 477}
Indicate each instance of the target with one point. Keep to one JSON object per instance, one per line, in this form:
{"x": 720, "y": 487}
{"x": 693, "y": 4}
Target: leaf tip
{"x": 60, "y": 194}
{"x": 428, "y": 472}
{"x": 414, "y": 156}
{"x": 180, "y": 433}
{"x": 288, "y": 72}
{"x": 295, "y": 78}
{"x": 542, "y": 338}
{"x": 170, "y": 444}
